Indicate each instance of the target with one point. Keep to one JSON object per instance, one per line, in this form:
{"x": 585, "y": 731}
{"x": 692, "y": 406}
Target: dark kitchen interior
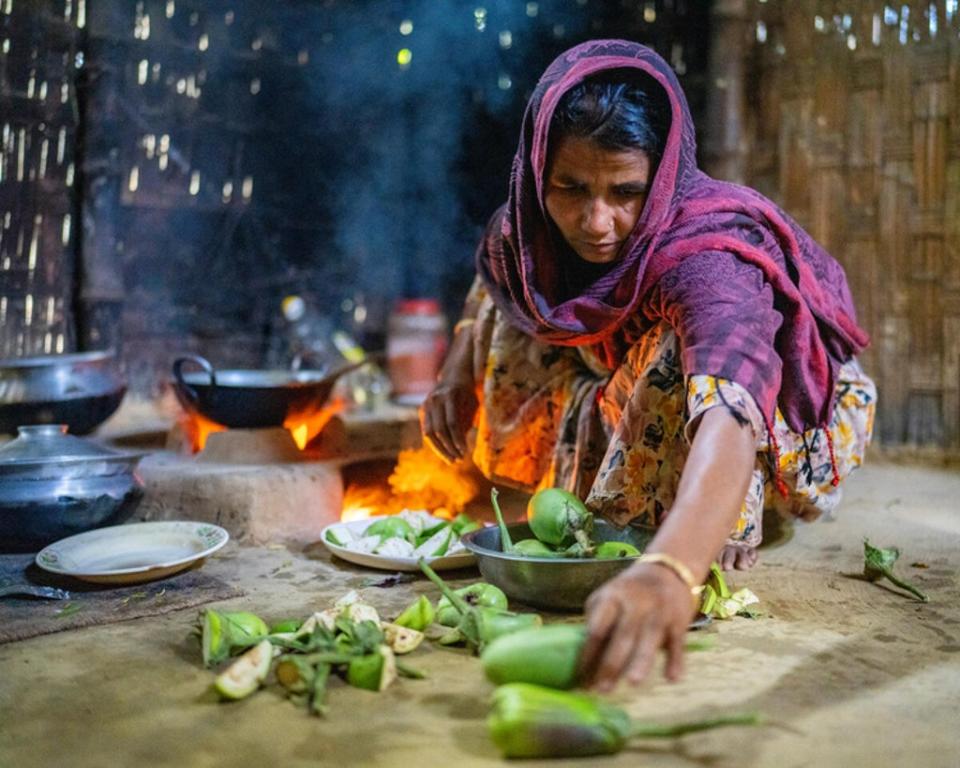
{"x": 290, "y": 191}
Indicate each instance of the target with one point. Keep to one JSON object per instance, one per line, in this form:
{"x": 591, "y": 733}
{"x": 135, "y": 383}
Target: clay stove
{"x": 259, "y": 484}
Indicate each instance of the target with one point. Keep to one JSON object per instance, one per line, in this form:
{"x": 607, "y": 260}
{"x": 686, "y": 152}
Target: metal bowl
{"x": 54, "y": 485}
{"x": 550, "y": 584}
{"x": 79, "y": 390}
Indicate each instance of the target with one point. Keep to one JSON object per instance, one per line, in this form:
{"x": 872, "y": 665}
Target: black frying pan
{"x": 250, "y": 399}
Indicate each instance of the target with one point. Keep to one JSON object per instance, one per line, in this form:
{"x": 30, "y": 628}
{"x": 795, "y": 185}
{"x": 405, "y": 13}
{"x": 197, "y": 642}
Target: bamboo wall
{"x": 850, "y": 117}
{"x": 38, "y": 202}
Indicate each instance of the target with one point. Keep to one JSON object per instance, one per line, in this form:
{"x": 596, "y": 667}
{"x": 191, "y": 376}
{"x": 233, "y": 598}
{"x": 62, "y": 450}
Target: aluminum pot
{"x": 252, "y": 398}
{"x": 80, "y": 390}
{"x": 553, "y": 584}
{"x": 54, "y": 485}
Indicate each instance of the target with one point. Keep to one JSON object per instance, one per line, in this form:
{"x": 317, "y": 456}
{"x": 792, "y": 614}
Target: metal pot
{"x": 251, "y": 398}
{"x": 54, "y": 485}
{"x": 79, "y": 390}
{"x": 551, "y": 584}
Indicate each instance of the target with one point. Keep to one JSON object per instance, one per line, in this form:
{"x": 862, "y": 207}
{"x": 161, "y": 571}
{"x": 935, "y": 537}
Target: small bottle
{"x": 309, "y": 336}
{"x": 416, "y": 346}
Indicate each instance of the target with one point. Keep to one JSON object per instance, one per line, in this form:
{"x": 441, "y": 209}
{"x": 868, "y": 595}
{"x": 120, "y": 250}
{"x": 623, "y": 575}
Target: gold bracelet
{"x": 463, "y": 323}
{"x": 681, "y": 570}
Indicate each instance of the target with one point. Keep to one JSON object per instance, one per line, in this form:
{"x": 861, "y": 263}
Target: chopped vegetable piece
{"x": 401, "y": 639}
{"x": 285, "y": 625}
{"x": 878, "y": 563}
{"x": 244, "y": 676}
{"x": 437, "y": 545}
{"x": 390, "y": 527}
{"x": 418, "y": 615}
{"x": 533, "y": 721}
{"x": 373, "y": 671}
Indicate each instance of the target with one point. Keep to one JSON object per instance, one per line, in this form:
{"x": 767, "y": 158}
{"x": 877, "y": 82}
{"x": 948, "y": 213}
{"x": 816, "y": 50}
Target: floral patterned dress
{"x": 553, "y": 416}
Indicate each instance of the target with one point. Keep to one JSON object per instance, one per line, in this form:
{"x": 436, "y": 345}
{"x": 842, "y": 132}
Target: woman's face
{"x": 595, "y": 196}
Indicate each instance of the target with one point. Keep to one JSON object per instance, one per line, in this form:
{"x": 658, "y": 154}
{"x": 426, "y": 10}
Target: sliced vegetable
{"x": 878, "y": 564}
{"x": 285, "y": 625}
{"x": 418, "y": 615}
{"x": 390, "y": 527}
{"x": 437, "y": 545}
{"x": 533, "y": 721}
{"x": 401, "y": 639}
{"x": 244, "y": 676}
{"x": 224, "y": 633}
{"x": 373, "y": 671}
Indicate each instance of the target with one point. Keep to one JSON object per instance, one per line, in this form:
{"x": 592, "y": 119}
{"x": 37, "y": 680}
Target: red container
{"x": 416, "y": 346}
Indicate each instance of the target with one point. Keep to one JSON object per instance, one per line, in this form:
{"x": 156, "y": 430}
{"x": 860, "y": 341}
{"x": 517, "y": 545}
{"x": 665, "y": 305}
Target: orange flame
{"x": 304, "y": 427}
{"x": 420, "y": 480}
{"x": 197, "y": 428}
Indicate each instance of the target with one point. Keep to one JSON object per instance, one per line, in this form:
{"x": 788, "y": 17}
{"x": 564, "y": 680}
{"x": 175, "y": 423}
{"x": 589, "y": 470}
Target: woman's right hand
{"x": 447, "y": 415}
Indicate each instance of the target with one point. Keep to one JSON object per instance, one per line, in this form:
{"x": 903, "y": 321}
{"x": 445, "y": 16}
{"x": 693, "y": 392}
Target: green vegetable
{"x": 373, "y": 671}
{"x": 285, "y": 625}
{"x": 534, "y": 548}
{"x": 464, "y": 524}
{"x": 222, "y": 634}
{"x": 560, "y": 519}
{"x": 437, "y": 545}
{"x": 244, "y": 676}
{"x": 391, "y": 527}
{"x": 479, "y": 625}
{"x": 479, "y": 594}
{"x": 532, "y": 721}
{"x": 418, "y": 615}
{"x": 543, "y": 655}
{"x": 334, "y": 539}
{"x": 878, "y": 563}
{"x": 611, "y": 550}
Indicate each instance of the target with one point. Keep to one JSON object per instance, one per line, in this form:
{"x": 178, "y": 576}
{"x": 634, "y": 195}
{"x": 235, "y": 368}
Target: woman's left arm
{"x": 649, "y": 606}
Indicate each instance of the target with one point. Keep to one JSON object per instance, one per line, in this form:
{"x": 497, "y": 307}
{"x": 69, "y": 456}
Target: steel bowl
{"x": 79, "y": 390}
{"x": 54, "y": 485}
{"x": 552, "y": 584}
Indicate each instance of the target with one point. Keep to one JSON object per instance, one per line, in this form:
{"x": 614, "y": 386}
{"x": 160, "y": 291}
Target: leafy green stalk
{"x": 878, "y": 564}
{"x": 506, "y": 543}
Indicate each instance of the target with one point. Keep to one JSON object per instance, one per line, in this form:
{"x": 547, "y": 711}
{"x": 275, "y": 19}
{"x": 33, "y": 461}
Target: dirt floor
{"x": 847, "y": 673}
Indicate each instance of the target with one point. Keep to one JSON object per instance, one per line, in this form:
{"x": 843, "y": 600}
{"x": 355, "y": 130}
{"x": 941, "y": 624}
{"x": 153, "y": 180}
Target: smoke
{"x": 408, "y": 106}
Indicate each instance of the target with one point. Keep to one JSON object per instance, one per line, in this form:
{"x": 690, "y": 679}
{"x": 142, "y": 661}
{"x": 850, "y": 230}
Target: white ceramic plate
{"x": 462, "y": 559}
{"x": 132, "y": 553}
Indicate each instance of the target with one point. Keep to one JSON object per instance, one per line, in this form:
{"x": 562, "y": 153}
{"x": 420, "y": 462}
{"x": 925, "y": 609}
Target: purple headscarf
{"x": 751, "y": 296}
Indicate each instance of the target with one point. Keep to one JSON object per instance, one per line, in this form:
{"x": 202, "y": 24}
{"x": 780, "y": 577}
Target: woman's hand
{"x": 629, "y": 619}
{"x": 447, "y": 415}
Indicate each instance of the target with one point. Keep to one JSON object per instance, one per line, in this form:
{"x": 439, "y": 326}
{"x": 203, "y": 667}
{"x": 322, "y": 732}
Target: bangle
{"x": 681, "y": 570}
{"x": 464, "y": 323}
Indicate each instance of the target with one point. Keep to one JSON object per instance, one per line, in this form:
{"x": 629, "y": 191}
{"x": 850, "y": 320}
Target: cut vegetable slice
{"x": 436, "y": 545}
{"x": 401, "y": 639}
{"x": 244, "y": 676}
{"x": 373, "y": 672}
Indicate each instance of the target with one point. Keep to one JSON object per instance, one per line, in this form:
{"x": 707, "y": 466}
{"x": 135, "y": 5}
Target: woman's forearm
{"x": 458, "y": 364}
{"x": 712, "y": 488}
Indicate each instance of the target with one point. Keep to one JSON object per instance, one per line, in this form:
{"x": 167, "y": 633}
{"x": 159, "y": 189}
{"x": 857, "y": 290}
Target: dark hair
{"x": 619, "y": 109}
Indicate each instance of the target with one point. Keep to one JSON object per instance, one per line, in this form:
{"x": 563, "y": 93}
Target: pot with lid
{"x": 54, "y": 485}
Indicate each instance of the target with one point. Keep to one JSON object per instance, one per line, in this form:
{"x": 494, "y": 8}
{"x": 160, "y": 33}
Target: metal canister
{"x": 416, "y": 346}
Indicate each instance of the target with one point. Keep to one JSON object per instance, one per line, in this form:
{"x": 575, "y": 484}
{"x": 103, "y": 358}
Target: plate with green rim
{"x": 134, "y": 552}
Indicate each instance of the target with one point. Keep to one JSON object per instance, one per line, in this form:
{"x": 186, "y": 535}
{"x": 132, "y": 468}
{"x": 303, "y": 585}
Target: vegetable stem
{"x": 652, "y": 730}
{"x": 506, "y": 543}
{"x": 905, "y": 585}
{"x": 455, "y": 600}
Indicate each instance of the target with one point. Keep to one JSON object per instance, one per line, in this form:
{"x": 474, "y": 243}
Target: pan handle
{"x": 187, "y": 390}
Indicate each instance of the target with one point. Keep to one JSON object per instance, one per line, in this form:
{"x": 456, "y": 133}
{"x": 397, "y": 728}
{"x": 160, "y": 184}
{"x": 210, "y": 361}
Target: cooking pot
{"x": 252, "y": 398}
{"x": 54, "y": 485}
{"x": 80, "y": 390}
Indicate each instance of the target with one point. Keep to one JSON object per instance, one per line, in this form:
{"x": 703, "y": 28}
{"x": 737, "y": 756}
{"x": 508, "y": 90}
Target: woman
{"x": 673, "y": 349}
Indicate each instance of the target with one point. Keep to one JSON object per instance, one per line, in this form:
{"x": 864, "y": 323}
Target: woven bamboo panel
{"x": 853, "y": 124}
{"x": 38, "y": 125}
